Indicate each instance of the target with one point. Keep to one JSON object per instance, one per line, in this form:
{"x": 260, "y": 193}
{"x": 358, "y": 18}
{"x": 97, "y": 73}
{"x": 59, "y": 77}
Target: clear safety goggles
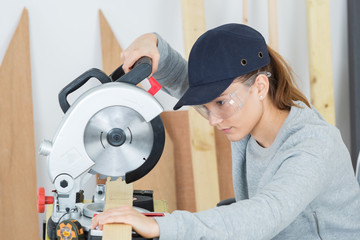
{"x": 226, "y": 106}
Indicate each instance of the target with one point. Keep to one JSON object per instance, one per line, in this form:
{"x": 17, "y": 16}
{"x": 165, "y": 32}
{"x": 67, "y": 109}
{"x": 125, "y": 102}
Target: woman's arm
{"x": 169, "y": 67}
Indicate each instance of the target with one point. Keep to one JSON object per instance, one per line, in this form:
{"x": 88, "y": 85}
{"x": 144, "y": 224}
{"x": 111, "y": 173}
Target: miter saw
{"x": 114, "y": 130}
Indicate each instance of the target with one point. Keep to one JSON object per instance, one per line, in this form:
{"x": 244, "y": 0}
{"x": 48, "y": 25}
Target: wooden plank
{"x": 177, "y": 126}
{"x": 17, "y": 155}
{"x": 224, "y": 163}
{"x": 319, "y": 43}
{"x": 118, "y": 194}
{"x": 245, "y": 12}
{"x": 110, "y": 47}
{"x": 354, "y": 76}
{"x": 273, "y": 24}
{"x": 201, "y": 134}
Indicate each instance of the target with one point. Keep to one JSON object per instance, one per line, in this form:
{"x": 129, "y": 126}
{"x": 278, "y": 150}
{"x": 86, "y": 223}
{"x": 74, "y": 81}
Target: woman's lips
{"x": 225, "y": 130}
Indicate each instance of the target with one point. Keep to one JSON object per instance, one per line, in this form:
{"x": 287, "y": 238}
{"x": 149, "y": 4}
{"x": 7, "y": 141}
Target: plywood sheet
{"x": 17, "y": 154}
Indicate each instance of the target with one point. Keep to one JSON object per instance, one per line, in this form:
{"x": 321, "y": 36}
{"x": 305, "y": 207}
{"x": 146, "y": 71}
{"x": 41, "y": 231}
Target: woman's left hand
{"x": 145, "y": 226}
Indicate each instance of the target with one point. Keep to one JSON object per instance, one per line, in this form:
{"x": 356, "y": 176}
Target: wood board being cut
{"x": 118, "y": 194}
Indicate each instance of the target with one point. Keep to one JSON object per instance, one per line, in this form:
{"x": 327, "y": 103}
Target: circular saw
{"x": 113, "y": 129}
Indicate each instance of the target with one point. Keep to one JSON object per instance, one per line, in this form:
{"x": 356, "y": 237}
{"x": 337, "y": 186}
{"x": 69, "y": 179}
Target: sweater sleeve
{"x": 172, "y": 71}
{"x": 300, "y": 178}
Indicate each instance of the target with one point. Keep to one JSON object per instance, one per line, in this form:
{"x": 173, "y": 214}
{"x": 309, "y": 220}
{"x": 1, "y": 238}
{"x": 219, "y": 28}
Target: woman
{"x": 292, "y": 173}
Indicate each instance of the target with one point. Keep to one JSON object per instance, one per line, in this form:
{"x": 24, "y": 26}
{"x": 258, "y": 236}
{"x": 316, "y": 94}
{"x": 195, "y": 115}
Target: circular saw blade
{"x": 116, "y": 161}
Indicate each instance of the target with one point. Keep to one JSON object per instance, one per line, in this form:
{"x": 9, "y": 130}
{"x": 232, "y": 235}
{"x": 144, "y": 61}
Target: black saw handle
{"x": 141, "y": 70}
{"x": 77, "y": 83}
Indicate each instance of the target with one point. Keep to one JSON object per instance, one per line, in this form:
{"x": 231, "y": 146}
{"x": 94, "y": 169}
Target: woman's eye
{"x": 220, "y": 103}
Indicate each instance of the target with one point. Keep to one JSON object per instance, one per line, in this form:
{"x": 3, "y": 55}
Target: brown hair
{"x": 283, "y": 90}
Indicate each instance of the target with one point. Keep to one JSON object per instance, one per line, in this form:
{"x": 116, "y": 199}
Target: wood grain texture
{"x": 177, "y": 127}
{"x": 19, "y": 216}
{"x": 203, "y": 152}
{"x": 110, "y": 47}
{"x": 273, "y": 24}
{"x": 245, "y": 12}
{"x": 224, "y": 163}
{"x": 319, "y": 43}
{"x": 118, "y": 194}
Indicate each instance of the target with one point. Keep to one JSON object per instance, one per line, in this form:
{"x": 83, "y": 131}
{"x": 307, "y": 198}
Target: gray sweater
{"x": 301, "y": 187}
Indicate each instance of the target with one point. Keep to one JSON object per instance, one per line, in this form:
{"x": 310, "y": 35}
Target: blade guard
{"x": 68, "y": 155}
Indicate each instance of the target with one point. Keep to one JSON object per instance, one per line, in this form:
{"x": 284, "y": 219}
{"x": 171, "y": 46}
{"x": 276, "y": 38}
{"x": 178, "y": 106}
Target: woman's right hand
{"x": 145, "y": 45}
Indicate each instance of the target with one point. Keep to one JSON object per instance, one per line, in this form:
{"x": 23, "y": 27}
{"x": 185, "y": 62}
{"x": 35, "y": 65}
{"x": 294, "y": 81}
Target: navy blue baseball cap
{"x": 218, "y": 57}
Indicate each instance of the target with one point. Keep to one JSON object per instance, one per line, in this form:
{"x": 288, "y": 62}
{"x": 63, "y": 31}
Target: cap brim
{"x": 202, "y": 94}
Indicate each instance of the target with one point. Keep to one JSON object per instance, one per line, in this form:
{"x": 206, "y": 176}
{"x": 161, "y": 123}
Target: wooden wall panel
{"x": 224, "y": 164}
{"x": 245, "y": 12}
{"x": 201, "y": 134}
{"x": 110, "y": 47}
{"x": 319, "y": 43}
{"x": 177, "y": 126}
{"x": 19, "y": 218}
{"x": 273, "y": 24}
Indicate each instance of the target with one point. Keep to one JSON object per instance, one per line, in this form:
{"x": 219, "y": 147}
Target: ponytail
{"x": 283, "y": 90}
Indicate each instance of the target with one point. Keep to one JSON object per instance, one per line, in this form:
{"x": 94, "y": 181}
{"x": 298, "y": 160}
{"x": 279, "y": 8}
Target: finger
{"x": 155, "y": 62}
{"x": 94, "y": 222}
{"x": 129, "y": 60}
{"x": 101, "y": 227}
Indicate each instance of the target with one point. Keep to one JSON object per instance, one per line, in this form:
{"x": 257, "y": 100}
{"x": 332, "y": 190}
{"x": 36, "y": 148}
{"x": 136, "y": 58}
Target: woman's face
{"x": 237, "y": 122}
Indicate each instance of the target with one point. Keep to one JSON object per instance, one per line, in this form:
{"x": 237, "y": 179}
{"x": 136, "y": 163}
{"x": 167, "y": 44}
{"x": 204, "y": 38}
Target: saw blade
{"x": 118, "y": 140}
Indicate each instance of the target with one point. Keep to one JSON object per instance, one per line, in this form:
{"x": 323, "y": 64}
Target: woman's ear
{"x": 262, "y": 86}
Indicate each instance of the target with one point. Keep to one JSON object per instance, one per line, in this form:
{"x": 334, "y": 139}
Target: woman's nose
{"x": 214, "y": 120}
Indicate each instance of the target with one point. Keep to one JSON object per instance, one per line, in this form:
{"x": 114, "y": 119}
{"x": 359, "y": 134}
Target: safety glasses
{"x": 226, "y": 106}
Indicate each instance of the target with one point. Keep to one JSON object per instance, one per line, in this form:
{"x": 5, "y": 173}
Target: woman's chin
{"x": 235, "y": 137}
